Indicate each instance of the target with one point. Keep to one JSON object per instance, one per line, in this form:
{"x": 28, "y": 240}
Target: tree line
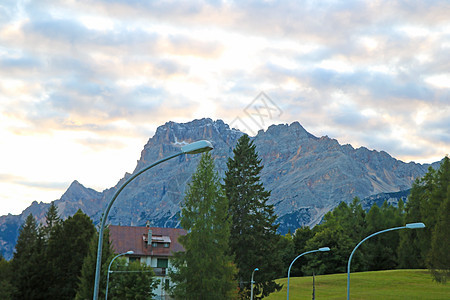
{"x": 224, "y": 246}
{"x": 345, "y": 226}
{"x": 56, "y": 260}
{"x": 231, "y": 230}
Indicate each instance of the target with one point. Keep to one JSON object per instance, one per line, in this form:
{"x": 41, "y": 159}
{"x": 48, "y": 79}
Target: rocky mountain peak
{"x": 171, "y": 136}
{"x": 293, "y": 130}
{"x": 307, "y": 176}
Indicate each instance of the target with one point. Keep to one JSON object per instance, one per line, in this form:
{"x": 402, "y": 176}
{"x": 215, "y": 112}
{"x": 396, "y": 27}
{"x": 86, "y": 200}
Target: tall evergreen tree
{"x": 286, "y": 244}
{"x": 253, "y": 239}
{"x": 67, "y": 248}
{"x": 439, "y": 256}
{"x": 85, "y": 289}
{"x": 6, "y": 286}
{"x": 425, "y": 204}
{"x": 381, "y": 253}
{"x": 42, "y": 258}
{"x": 334, "y": 232}
{"x": 205, "y": 270}
{"x": 52, "y": 220}
{"x": 414, "y": 243}
{"x": 301, "y": 237}
{"x": 25, "y": 276}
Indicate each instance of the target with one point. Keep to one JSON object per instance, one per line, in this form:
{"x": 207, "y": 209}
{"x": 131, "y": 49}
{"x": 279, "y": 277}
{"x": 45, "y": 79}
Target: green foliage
{"x": 85, "y": 289}
{"x": 133, "y": 281}
{"x": 67, "y": 247}
{"x": 439, "y": 256}
{"x": 48, "y": 258}
{"x": 26, "y": 277}
{"x": 300, "y": 238}
{"x": 426, "y": 204}
{"x": 205, "y": 270}
{"x": 6, "y": 286}
{"x": 253, "y": 239}
{"x": 286, "y": 245}
{"x": 52, "y": 221}
{"x": 341, "y": 230}
{"x": 381, "y": 254}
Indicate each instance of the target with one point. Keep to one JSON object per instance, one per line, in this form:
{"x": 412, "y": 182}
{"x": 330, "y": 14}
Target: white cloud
{"x": 95, "y": 78}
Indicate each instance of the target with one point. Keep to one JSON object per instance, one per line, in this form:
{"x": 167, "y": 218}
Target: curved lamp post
{"x": 251, "y": 283}
{"x": 323, "y": 249}
{"x": 193, "y": 148}
{"x": 109, "y": 267}
{"x": 409, "y": 226}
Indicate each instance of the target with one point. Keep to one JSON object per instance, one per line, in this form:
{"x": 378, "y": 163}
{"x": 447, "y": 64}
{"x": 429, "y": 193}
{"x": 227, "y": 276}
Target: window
{"x": 166, "y": 284}
{"x": 132, "y": 259}
{"x": 166, "y": 245}
{"x": 162, "y": 263}
{"x": 154, "y": 245}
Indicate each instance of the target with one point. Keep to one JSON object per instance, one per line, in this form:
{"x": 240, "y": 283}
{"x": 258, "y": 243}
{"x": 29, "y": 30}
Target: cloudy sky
{"x": 84, "y": 84}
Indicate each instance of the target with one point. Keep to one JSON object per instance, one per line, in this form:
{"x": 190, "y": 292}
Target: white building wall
{"x": 153, "y": 262}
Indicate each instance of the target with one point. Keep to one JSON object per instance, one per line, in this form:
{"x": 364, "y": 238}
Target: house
{"x": 153, "y": 246}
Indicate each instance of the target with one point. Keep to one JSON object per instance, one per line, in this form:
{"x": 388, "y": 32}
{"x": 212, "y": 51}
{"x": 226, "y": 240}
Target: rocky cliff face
{"x": 307, "y": 175}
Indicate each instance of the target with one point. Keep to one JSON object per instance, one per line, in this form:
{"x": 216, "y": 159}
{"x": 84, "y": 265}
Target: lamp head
{"x": 197, "y": 147}
{"x": 256, "y": 269}
{"x": 415, "y": 225}
{"x": 130, "y": 252}
{"x": 323, "y": 249}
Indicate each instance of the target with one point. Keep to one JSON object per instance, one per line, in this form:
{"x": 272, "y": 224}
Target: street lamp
{"x": 409, "y": 226}
{"x": 109, "y": 267}
{"x": 251, "y": 284}
{"x": 193, "y": 148}
{"x": 323, "y": 249}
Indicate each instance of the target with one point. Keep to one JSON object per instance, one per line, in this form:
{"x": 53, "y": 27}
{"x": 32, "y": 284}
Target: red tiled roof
{"x": 125, "y": 238}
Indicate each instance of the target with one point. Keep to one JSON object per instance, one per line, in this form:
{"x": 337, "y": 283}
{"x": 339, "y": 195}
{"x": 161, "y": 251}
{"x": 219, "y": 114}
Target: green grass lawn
{"x": 393, "y": 284}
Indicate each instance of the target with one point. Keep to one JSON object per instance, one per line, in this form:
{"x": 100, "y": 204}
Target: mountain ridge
{"x": 307, "y": 175}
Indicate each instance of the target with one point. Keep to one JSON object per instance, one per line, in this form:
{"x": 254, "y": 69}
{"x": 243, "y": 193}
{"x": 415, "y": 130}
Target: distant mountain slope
{"x": 391, "y": 198}
{"x": 307, "y": 175}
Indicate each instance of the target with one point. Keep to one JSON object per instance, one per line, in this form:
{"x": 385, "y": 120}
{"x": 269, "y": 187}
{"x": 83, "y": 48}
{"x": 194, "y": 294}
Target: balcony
{"x": 160, "y": 271}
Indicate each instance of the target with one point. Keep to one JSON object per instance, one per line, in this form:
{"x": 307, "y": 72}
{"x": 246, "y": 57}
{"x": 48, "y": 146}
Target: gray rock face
{"x": 307, "y": 175}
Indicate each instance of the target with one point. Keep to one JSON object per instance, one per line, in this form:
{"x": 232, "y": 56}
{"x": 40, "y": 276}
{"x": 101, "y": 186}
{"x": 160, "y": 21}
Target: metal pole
{"x": 193, "y": 148}
{"x": 410, "y": 226}
{"x": 109, "y": 267}
{"x": 105, "y": 216}
{"x": 289, "y": 270}
{"x": 322, "y": 249}
{"x": 314, "y": 287}
{"x": 251, "y": 284}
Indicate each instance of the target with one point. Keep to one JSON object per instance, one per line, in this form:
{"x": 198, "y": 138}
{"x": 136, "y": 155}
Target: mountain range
{"x": 307, "y": 176}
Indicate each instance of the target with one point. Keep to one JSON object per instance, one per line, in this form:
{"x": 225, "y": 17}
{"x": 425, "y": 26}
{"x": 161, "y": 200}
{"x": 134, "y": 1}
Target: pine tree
{"x": 42, "y": 258}
{"x": 52, "y": 219}
{"x": 414, "y": 243}
{"x": 425, "y": 204}
{"x": 205, "y": 269}
{"x": 68, "y": 245}
{"x": 301, "y": 236}
{"x": 381, "y": 251}
{"x": 253, "y": 239}
{"x": 85, "y": 289}
{"x": 334, "y": 232}
{"x": 286, "y": 244}
{"x": 6, "y": 286}
{"x": 25, "y": 276}
{"x": 439, "y": 255}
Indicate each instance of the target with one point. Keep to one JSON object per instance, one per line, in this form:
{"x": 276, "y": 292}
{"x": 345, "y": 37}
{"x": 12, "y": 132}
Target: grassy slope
{"x": 394, "y": 284}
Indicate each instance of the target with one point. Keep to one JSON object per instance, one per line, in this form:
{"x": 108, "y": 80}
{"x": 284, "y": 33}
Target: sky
{"x": 85, "y": 84}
